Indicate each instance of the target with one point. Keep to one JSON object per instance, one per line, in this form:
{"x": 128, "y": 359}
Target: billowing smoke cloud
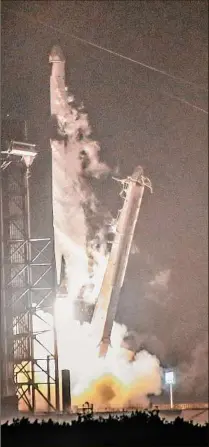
{"x": 113, "y": 381}
{"x": 137, "y": 341}
{"x": 193, "y": 373}
{"x": 162, "y": 327}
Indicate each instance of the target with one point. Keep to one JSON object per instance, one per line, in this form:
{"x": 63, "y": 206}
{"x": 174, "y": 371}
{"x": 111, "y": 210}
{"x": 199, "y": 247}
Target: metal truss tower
{"x": 29, "y": 346}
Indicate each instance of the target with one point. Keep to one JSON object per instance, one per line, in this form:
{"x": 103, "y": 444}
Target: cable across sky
{"x": 114, "y": 53}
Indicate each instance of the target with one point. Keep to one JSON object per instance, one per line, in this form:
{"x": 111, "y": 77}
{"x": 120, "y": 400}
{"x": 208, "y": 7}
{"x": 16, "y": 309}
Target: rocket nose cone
{"x": 56, "y": 54}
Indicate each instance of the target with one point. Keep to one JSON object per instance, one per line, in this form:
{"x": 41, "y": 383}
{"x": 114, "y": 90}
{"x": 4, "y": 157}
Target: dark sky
{"x": 136, "y": 122}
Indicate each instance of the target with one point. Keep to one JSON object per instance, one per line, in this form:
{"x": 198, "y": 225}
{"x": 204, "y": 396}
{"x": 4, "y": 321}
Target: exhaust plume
{"x": 112, "y": 381}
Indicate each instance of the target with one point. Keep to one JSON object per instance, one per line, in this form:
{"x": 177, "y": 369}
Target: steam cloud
{"x": 111, "y": 382}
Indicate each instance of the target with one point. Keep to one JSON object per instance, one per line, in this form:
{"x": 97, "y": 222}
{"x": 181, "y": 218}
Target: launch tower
{"x": 27, "y": 285}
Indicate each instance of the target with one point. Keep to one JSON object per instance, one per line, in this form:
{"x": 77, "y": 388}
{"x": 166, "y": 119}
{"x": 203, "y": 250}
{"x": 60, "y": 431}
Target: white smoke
{"x": 113, "y": 381}
{"x": 126, "y": 383}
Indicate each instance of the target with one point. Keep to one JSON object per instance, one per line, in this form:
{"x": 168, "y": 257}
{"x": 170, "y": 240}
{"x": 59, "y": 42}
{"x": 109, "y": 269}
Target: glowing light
{"x": 169, "y": 377}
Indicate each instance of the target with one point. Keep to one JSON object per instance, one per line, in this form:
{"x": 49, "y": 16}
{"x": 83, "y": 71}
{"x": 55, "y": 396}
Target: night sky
{"x": 137, "y": 120}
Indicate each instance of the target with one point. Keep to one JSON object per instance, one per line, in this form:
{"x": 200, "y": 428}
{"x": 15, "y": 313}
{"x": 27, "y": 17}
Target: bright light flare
{"x": 169, "y": 377}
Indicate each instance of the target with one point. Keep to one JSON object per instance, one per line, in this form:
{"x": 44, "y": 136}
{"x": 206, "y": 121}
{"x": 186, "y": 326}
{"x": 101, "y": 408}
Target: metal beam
{"x": 27, "y": 290}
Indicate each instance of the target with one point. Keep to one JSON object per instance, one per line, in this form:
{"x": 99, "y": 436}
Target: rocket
{"x": 107, "y": 303}
{"x": 68, "y": 214}
{"x": 74, "y": 160}
{"x": 57, "y": 92}
{"x": 57, "y": 88}
{"x": 57, "y": 79}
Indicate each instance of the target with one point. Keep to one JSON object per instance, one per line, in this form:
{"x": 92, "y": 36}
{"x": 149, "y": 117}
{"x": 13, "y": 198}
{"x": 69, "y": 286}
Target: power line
{"x": 73, "y": 36}
{"x": 142, "y": 64}
{"x": 184, "y": 101}
{"x": 122, "y": 56}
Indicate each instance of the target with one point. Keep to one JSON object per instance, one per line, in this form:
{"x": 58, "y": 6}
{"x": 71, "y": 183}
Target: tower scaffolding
{"x": 29, "y": 345}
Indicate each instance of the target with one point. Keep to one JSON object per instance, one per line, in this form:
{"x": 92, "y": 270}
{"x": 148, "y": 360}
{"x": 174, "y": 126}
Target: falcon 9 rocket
{"x": 74, "y": 160}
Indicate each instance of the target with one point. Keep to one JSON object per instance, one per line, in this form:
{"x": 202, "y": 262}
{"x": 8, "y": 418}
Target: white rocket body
{"x": 74, "y": 159}
{"x": 106, "y": 306}
{"x": 68, "y": 215}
